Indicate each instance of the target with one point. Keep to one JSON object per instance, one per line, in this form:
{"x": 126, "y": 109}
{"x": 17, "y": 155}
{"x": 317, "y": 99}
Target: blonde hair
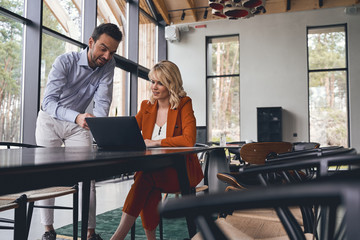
{"x": 169, "y": 75}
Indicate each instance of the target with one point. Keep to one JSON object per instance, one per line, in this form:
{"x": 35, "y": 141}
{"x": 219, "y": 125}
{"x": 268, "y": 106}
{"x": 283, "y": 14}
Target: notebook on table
{"x": 116, "y": 133}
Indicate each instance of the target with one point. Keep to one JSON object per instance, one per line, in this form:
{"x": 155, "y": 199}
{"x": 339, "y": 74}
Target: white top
{"x": 159, "y": 132}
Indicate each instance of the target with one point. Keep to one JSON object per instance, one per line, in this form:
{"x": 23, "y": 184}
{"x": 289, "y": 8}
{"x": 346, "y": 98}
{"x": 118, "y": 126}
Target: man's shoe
{"x": 51, "y": 235}
{"x": 95, "y": 236}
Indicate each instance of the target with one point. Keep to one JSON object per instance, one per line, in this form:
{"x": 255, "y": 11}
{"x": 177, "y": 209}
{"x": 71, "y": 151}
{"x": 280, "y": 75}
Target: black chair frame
{"x": 328, "y": 193}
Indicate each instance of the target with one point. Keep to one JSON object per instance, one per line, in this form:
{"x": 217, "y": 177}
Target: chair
{"x": 18, "y": 224}
{"x": 234, "y": 156}
{"x": 330, "y": 194}
{"x": 296, "y": 167}
{"x": 253, "y": 154}
{"x": 45, "y": 193}
{"x": 257, "y": 152}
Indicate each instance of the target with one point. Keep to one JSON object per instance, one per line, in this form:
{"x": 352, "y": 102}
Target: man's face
{"x": 101, "y": 51}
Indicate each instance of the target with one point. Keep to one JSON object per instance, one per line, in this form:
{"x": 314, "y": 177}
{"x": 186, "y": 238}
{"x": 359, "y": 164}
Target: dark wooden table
{"x": 35, "y": 168}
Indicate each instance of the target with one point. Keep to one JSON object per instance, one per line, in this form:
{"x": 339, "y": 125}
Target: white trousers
{"x": 51, "y": 132}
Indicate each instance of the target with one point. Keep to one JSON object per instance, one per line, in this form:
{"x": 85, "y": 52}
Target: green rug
{"x": 107, "y": 223}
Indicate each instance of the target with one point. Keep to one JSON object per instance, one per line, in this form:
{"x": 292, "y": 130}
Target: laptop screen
{"x": 117, "y": 133}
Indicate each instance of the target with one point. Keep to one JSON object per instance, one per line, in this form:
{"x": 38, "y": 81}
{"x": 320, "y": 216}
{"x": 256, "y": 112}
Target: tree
{"x": 10, "y": 73}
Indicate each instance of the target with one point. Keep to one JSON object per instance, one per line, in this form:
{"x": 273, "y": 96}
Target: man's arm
{"x": 57, "y": 80}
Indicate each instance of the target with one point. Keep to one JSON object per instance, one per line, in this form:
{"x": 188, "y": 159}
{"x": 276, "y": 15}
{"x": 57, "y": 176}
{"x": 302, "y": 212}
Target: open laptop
{"x": 116, "y": 133}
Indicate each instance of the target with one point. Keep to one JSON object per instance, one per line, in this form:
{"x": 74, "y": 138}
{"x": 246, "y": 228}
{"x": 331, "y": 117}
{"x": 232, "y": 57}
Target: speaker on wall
{"x": 353, "y": 10}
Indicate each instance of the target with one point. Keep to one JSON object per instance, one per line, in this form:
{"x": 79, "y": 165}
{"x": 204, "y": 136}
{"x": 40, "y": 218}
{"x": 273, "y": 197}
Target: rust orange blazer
{"x": 180, "y": 131}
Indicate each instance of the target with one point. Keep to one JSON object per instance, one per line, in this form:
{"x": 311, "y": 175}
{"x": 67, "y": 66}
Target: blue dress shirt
{"x": 73, "y": 84}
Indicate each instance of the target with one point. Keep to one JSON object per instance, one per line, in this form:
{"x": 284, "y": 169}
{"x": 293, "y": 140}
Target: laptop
{"x": 116, "y": 133}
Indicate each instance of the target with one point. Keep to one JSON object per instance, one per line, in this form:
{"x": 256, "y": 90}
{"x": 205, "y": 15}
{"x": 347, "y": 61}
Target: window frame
{"x": 207, "y": 39}
{"x": 31, "y": 76}
{"x": 346, "y": 69}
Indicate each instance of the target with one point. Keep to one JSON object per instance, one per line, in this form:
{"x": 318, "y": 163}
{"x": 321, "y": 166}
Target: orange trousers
{"x": 145, "y": 195}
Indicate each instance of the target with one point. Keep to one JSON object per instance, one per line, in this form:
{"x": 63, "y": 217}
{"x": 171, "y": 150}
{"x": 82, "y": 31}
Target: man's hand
{"x": 80, "y": 120}
{"x": 152, "y": 143}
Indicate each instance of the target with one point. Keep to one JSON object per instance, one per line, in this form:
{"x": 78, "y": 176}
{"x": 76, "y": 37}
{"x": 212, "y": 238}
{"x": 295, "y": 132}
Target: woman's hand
{"x": 152, "y": 143}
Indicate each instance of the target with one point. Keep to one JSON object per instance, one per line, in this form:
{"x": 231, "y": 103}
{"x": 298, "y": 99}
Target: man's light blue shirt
{"x": 73, "y": 84}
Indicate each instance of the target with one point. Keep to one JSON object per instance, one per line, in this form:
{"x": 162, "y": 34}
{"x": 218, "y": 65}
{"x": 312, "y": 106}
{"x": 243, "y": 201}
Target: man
{"x": 75, "y": 80}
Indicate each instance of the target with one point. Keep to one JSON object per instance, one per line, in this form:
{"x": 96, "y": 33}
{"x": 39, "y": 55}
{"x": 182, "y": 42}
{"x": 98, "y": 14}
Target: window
{"x": 48, "y": 56}
{"x": 15, "y": 6}
{"x": 147, "y": 41}
{"x": 223, "y": 88}
{"x": 62, "y": 25}
{"x": 144, "y": 91}
{"x": 11, "y": 44}
{"x": 147, "y": 53}
{"x": 117, "y": 107}
{"x": 63, "y": 16}
{"x": 328, "y": 85}
{"x": 109, "y": 12}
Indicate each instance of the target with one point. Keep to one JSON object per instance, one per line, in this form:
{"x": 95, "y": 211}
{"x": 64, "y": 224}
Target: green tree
{"x": 10, "y": 73}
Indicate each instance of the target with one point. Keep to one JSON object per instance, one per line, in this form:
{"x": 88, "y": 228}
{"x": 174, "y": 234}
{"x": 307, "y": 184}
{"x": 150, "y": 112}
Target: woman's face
{"x": 159, "y": 91}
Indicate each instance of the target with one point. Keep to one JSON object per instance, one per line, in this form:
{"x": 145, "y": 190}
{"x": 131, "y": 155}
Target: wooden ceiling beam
{"x": 101, "y": 12}
{"x": 192, "y": 6}
{"x": 116, "y": 11}
{"x": 59, "y": 13}
{"x": 161, "y": 7}
{"x": 77, "y": 4}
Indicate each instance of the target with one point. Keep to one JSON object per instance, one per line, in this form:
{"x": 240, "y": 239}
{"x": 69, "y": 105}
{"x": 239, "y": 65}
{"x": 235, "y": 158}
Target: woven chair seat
{"x": 267, "y": 214}
{"x": 40, "y": 194}
{"x": 249, "y": 229}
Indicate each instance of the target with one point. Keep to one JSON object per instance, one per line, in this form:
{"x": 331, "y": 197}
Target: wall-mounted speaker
{"x": 351, "y": 10}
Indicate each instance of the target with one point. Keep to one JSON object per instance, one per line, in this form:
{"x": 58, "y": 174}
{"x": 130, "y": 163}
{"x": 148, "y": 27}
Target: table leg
{"x": 180, "y": 165}
{"x": 217, "y": 163}
{"x": 85, "y": 208}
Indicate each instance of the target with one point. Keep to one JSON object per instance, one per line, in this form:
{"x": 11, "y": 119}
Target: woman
{"x": 166, "y": 120}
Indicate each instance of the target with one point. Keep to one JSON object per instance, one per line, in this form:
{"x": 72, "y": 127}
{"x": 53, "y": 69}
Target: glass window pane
{"x": 328, "y": 108}
{"x": 144, "y": 91}
{"x": 63, "y": 16}
{"x": 11, "y": 43}
{"x": 147, "y": 42}
{"x": 223, "y": 56}
{"x": 15, "y": 6}
{"x": 48, "y": 55}
{"x": 326, "y": 48}
{"x": 224, "y": 108}
{"x": 117, "y": 107}
{"x": 113, "y": 12}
